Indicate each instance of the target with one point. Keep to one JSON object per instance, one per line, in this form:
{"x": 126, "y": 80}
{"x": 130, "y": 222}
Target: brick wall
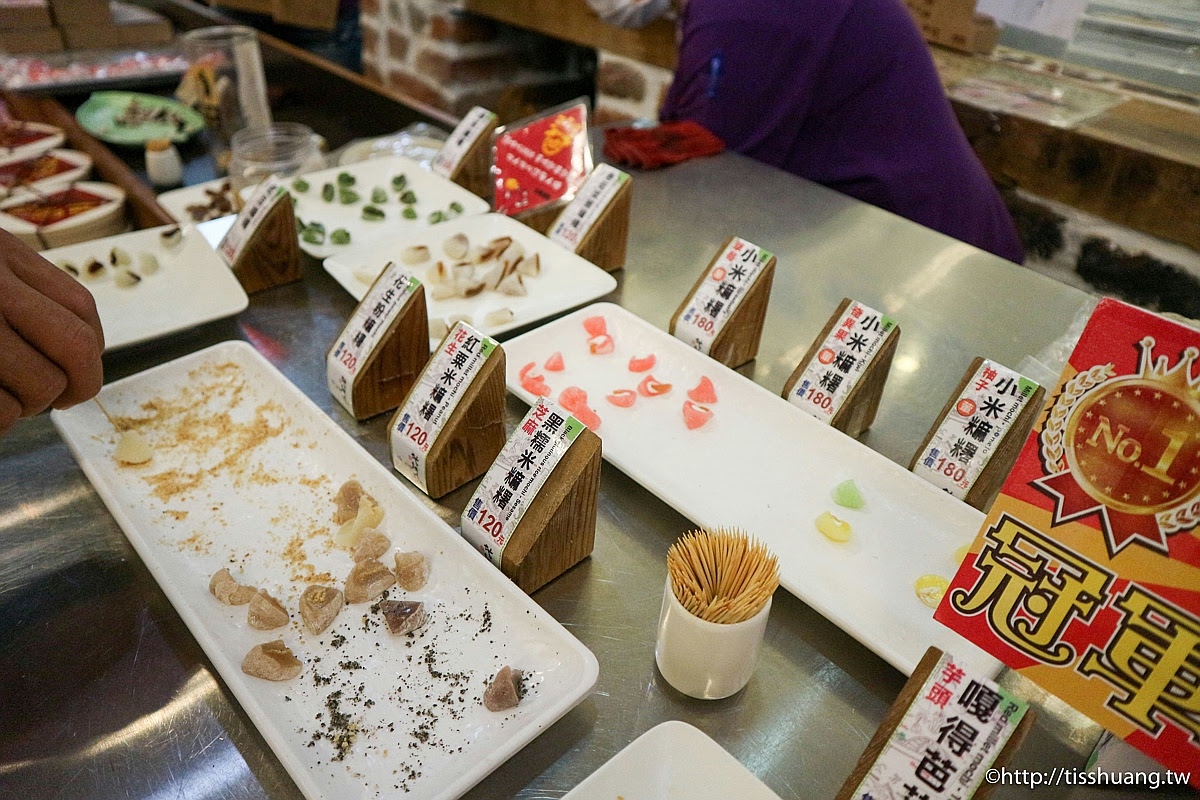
{"x": 627, "y": 89}
{"x": 439, "y": 54}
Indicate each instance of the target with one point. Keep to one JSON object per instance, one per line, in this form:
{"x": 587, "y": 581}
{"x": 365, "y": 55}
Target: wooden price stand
{"x": 595, "y": 225}
{"x": 450, "y": 427}
{"x": 466, "y": 157}
{"x": 956, "y": 714}
{"x": 261, "y": 247}
{"x": 724, "y": 312}
{"x": 979, "y": 433}
{"x": 840, "y": 380}
{"x": 534, "y": 513}
{"x": 375, "y": 360}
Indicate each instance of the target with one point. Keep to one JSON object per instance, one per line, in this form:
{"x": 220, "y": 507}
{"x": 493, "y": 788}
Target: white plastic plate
{"x": 672, "y": 760}
{"x": 566, "y": 280}
{"x": 433, "y": 193}
{"x": 765, "y": 466}
{"x": 243, "y": 475}
{"x": 192, "y": 285}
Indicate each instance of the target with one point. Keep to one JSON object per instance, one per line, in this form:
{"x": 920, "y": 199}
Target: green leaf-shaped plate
{"x": 164, "y": 118}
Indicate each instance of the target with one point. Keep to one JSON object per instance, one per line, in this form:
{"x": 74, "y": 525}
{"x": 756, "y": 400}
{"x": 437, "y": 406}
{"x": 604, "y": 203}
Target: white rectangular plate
{"x": 176, "y": 201}
{"x": 243, "y": 475}
{"x": 192, "y": 285}
{"x": 672, "y": 760}
{"x": 566, "y": 280}
{"x": 765, "y": 466}
{"x": 434, "y": 193}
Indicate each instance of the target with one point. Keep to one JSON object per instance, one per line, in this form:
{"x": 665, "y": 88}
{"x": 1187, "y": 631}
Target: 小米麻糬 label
{"x": 969, "y": 435}
{"x": 841, "y": 360}
{"x": 720, "y": 292}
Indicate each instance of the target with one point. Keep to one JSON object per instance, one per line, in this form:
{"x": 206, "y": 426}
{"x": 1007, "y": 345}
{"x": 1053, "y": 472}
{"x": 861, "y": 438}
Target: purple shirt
{"x": 844, "y": 93}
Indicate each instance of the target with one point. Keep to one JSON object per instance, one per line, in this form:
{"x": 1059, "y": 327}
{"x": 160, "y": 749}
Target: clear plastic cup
{"x": 226, "y": 72}
{"x": 285, "y": 149}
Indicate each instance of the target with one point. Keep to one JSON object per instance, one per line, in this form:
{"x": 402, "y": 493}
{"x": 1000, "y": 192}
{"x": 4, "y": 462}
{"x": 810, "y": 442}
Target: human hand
{"x": 50, "y": 336}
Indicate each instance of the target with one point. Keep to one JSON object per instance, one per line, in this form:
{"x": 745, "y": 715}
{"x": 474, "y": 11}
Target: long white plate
{"x": 192, "y": 285}
{"x": 566, "y": 280}
{"x": 244, "y": 471}
{"x": 672, "y": 760}
{"x": 765, "y": 466}
{"x": 434, "y": 193}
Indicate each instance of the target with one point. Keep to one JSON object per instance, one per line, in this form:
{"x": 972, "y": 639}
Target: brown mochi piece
{"x": 347, "y": 499}
{"x": 225, "y": 588}
{"x": 318, "y": 607}
{"x": 372, "y": 544}
{"x": 412, "y": 570}
{"x": 504, "y": 692}
{"x": 265, "y": 612}
{"x": 273, "y": 661}
{"x": 403, "y": 616}
{"x": 368, "y": 580}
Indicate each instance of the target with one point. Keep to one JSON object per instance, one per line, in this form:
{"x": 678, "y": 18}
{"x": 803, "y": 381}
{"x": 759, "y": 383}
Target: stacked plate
{"x": 43, "y": 172}
{"x": 79, "y": 212}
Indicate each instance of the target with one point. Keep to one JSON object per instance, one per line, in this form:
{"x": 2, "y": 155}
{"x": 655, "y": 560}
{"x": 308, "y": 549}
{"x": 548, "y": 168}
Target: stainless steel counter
{"x": 104, "y": 693}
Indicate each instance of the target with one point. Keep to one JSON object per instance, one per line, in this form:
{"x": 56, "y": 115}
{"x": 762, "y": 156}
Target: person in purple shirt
{"x": 844, "y": 93}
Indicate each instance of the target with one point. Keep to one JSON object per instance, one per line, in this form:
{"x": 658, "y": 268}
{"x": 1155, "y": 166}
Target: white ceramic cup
{"x": 702, "y": 659}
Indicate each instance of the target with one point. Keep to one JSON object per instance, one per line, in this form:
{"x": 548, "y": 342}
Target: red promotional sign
{"x": 542, "y": 161}
{"x": 1086, "y": 575}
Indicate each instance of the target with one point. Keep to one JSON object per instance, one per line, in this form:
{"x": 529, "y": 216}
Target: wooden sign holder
{"x": 604, "y": 245}
{"x": 400, "y": 355}
{"x": 558, "y": 529}
{"x": 737, "y": 342}
{"x": 472, "y": 436}
{"x": 540, "y": 219}
{"x": 858, "y": 409}
{"x": 991, "y": 478}
{"x": 474, "y": 171}
{"x": 271, "y": 256}
{"x": 891, "y": 720}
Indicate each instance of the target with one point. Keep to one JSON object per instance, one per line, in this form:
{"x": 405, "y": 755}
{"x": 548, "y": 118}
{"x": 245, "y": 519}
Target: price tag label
{"x": 720, "y": 293}
{"x": 265, "y": 197}
{"x": 438, "y": 391}
{"x": 948, "y": 739}
{"x": 841, "y": 361}
{"x": 583, "y": 211}
{"x": 974, "y": 428}
{"x": 365, "y": 330}
{"x": 516, "y": 477}
{"x": 461, "y": 140}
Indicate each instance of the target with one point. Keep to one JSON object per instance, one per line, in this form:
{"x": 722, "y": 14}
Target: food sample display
{"x": 130, "y": 118}
{"x": 372, "y": 201}
{"x": 201, "y": 202}
{"x": 755, "y": 448}
{"x": 364, "y": 698}
{"x": 490, "y": 271}
{"x": 152, "y": 282}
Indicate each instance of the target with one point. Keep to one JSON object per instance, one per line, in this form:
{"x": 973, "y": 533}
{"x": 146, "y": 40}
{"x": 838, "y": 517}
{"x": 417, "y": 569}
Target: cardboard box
{"x": 81, "y": 12}
{"x": 31, "y": 40}
{"x": 131, "y": 26}
{"x": 24, "y": 14}
{"x": 318, "y": 14}
{"x": 252, "y": 6}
